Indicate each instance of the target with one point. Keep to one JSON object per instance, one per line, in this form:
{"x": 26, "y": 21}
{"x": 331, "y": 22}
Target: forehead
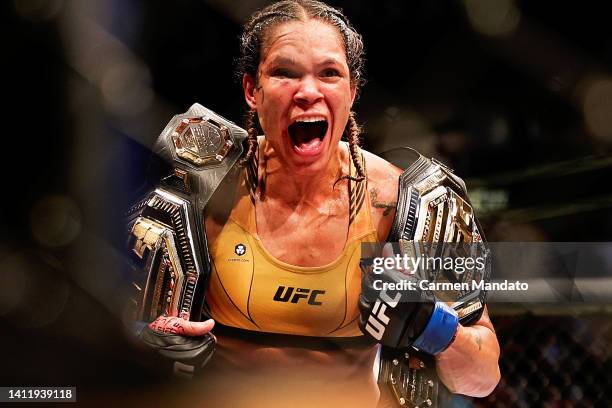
{"x": 304, "y": 38}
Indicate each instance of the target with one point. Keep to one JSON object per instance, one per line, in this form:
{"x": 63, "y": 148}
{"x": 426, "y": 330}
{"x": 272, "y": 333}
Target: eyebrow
{"x": 280, "y": 60}
{"x": 331, "y": 61}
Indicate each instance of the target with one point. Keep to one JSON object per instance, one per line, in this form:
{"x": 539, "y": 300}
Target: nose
{"x": 308, "y": 92}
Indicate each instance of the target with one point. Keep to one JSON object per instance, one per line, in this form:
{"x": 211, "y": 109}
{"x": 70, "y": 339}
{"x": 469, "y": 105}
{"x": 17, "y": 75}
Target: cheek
{"x": 274, "y": 99}
{"x": 341, "y": 121}
{"x": 341, "y": 106}
{"x": 340, "y": 97}
{"x": 268, "y": 117}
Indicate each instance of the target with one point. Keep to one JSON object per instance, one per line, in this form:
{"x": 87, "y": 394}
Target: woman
{"x": 306, "y": 202}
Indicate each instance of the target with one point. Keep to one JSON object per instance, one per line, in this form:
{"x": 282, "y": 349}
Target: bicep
{"x": 382, "y": 189}
{"x": 485, "y": 333}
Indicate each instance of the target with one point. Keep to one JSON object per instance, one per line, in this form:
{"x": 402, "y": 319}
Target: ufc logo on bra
{"x": 283, "y": 294}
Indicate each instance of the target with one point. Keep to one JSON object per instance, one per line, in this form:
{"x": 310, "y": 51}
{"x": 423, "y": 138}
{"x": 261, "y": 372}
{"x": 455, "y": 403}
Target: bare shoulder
{"x": 383, "y": 178}
{"x": 381, "y": 174}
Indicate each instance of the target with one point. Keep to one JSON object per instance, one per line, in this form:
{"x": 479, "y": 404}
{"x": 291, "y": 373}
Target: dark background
{"x": 516, "y": 96}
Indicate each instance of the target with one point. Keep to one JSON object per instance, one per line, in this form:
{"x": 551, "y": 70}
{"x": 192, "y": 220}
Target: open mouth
{"x": 307, "y": 134}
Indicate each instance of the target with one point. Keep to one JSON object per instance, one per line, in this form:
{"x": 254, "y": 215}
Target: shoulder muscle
{"x": 383, "y": 180}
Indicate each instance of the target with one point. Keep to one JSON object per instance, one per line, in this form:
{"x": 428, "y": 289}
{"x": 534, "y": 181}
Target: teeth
{"x": 311, "y": 119}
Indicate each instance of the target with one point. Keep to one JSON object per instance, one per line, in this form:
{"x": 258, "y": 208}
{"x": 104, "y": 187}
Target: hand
{"x": 177, "y": 325}
{"x": 396, "y": 312}
{"x": 186, "y": 345}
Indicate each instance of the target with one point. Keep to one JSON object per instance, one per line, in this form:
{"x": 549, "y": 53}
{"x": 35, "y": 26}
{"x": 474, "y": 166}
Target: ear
{"x": 249, "y": 87}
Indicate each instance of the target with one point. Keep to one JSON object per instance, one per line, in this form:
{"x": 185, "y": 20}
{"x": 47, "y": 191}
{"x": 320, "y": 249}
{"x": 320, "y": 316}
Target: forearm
{"x": 470, "y": 365}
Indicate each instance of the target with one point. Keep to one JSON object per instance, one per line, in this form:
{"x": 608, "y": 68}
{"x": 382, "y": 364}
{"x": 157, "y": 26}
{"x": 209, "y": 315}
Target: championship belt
{"x": 434, "y": 218}
{"x": 166, "y": 235}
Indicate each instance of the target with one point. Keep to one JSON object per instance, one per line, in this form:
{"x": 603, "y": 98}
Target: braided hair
{"x": 251, "y": 140}
{"x": 254, "y": 35}
{"x": 353, "y": 130}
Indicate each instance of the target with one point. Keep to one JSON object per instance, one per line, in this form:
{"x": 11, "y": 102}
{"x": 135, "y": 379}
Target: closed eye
{"x": 284, "y": 73}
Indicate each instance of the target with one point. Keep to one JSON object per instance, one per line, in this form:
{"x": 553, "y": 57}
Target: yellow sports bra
{"x": 250, "y": 289}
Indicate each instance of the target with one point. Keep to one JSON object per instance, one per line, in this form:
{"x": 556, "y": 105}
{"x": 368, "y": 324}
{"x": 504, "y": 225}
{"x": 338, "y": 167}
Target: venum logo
{"x": 378, "y": 320}
{"x": 283, "y": 294}
{"x": 240, "y": 249}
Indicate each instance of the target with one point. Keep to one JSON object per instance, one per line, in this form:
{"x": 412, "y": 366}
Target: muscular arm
{"x": 382, "y": 187}
{"x": 470, "y": 365}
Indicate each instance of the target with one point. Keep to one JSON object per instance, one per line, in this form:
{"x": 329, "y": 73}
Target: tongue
{"x": 306, "y": 137}
{"x": 308, "y": 145}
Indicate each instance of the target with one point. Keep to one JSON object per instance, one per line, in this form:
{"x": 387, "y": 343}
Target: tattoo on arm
{"x": 388, "y": 207}
{"x": 478, "y": 340}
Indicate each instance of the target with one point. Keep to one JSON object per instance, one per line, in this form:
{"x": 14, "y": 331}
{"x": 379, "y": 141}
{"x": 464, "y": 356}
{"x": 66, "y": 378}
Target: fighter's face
{"x": 303, "y": 94}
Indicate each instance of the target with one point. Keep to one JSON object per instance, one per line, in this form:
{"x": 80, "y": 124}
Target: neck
{"x": 290, "y": 187}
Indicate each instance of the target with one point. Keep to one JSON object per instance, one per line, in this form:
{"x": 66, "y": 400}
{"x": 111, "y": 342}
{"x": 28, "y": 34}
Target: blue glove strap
{"x": 439, "y": 331}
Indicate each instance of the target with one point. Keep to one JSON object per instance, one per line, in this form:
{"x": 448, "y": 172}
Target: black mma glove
{"x": 404, "y": 316}
{"x": 185, "y": 355}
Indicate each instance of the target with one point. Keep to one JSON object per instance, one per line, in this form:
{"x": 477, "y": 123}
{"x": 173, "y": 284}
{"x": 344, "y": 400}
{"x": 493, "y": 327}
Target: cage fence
{"x": 553, "y": 358}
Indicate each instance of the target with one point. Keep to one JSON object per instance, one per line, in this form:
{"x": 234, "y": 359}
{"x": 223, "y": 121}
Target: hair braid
{"x": 251, "y": 140}
{"x": 354, "y": 130}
